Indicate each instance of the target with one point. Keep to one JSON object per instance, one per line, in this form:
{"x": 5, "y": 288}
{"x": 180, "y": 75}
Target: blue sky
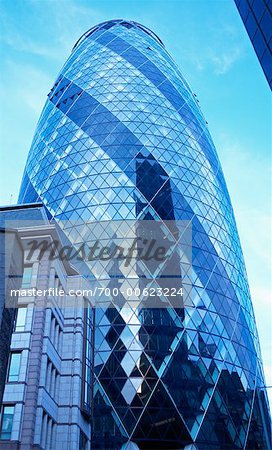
{"x": 208, "y": 41}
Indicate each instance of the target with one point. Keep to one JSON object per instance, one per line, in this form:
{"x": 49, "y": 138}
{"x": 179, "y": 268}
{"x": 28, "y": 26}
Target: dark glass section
{"x": 87, "y": 360}
{"x": 259, "y": 434}
{"x": 11, "y": 266}
{"x": 257, "y": 18}
{"x": 7, "y": 414}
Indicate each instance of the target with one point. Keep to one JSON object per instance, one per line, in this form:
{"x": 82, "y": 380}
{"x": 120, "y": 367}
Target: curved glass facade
{"x": 122, "y": 136}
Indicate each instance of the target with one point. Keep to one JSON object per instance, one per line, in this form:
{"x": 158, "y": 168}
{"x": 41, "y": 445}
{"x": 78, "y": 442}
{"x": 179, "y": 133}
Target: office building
{"x": 122, "y": 137}
{"x": 46, "y": 402}
{"x": 257, "y": 18}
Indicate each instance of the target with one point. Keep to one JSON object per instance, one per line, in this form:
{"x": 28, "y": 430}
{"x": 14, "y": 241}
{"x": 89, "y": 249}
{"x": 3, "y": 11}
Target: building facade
{"x": 122, "y": 137}
{"x": 44, "y": 403}
{"x": 257, "y": 18}
{"x": 11, "y": 262}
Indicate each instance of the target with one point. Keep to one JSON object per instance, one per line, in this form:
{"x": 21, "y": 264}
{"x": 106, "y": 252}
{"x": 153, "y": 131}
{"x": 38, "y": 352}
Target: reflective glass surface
{"x": 27, "y": 274}
{"x": 14, "y": 367}
{"x": 21, "y": 318}
{"x": 122, "y": 136}
{"x": 257, "y": 18}
{"x": 6, "y": 422}
{"x": 87, "y": 375}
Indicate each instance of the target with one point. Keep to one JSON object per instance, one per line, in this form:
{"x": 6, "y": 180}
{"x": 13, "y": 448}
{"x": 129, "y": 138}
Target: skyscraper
{"x": 122, "y": 137}
{"x": 257, "y": 18}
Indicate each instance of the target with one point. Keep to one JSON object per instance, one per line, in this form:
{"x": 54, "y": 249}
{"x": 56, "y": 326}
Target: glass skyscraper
{"x": 257, "y": 18}
{"x": 122, "y": 137}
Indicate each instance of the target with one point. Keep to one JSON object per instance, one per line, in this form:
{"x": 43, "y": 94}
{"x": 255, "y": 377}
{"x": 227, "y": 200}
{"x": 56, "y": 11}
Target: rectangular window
{"x": 53, "y": 436}
{"x": 83, "y": 441}
{"x": 87, "y": 359}
{"x": 26, "y": 281}
{"x": 44, "y": 430}
{"x": 21, "y": 319}
{"x": 14, "y": 367}
{"x": 6, "y": 422}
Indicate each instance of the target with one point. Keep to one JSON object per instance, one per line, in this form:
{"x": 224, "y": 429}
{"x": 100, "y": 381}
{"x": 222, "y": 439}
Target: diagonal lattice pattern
{"x": 122, "y": 136}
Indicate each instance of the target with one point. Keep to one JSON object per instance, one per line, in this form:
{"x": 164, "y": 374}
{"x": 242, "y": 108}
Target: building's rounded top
{"x": 125, "y": 23}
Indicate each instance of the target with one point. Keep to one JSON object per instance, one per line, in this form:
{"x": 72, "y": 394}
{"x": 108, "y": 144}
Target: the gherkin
{"x": 122, "y": 136}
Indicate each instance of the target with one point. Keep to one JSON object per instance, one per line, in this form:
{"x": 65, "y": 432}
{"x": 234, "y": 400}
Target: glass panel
{"x": 27, "y": 277}
{"x": 14, "y": 368}
{"x": 87, "y": 358}
{"x": 82, "y": 442}
{"x": 6, "y": 423}
{"x": 21, "y": 319}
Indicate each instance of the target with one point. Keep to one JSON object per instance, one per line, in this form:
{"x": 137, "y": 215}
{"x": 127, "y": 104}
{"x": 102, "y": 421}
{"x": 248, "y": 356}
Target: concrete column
{"x": 35, "y": 360}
